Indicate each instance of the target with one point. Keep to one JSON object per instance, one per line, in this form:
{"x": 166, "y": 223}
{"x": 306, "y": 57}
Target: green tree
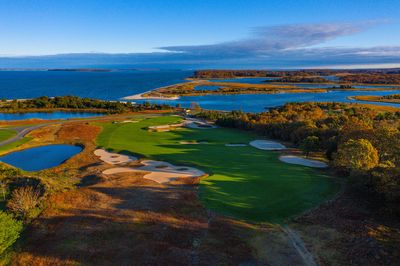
{"x": 309, "y": 144}
{"x": 357, "y": 154}
{"x": 10, "y": 230}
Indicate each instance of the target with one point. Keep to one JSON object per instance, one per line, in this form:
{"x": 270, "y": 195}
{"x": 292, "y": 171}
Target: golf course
{"x": 242, "y": 182}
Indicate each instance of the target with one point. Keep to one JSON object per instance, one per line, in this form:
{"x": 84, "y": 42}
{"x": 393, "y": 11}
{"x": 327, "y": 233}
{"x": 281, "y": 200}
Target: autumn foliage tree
{"x": 357, "y": 154}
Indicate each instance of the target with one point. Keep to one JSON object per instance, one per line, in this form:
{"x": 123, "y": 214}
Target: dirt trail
{"x": 300, "y": 247}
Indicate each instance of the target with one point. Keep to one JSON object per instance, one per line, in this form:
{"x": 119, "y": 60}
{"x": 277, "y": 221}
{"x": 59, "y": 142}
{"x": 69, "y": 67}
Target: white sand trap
{"x": 164, "y": 128}
{"x": 302, "y": 161}
{"x": 198, "y": 124}
{"x": 267, "y": 145}
{"x": 189, "y": 122}
{"x": 113, "y": 158}
{"x": 129, "y": 121}
{"x": 160, "y": 172}
{"x": 235, "y": 145}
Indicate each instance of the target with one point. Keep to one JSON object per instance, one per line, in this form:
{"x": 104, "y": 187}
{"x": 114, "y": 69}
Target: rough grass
{"x": 13, "y": 145}
{"x": 244, "y": 182}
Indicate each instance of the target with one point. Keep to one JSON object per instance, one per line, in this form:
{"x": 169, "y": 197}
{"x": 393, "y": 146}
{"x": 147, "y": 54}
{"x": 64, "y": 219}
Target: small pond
{"x": 39, "y": 158}
{"x": 46, "y": 115}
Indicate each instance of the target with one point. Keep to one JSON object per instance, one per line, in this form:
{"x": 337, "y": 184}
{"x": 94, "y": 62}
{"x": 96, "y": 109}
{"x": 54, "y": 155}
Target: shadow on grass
{"x": 132, "y": 225}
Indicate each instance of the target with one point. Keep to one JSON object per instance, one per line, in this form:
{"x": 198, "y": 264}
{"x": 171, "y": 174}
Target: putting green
{"x": 244, "y": 182}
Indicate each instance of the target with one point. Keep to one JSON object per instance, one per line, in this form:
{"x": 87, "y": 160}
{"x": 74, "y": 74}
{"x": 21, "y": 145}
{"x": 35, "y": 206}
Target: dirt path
{"x": 298, "y": 244}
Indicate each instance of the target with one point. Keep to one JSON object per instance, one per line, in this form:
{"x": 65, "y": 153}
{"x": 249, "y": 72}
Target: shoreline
{"x": 375, "y": 99}
{"x": 140, "y": 96}
{"x": 289, "y": 88}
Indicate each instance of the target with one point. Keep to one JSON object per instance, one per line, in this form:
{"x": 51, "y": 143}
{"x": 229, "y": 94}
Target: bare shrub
{"x": 24, "y": 201}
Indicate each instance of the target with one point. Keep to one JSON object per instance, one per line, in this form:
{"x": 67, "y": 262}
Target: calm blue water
{"x": 100, "y": 85}
{"x": 117, "y": 84}
{"x": 39, "y": 158}
{"x": 260, "y": 102}
{"x": 46, "y": 115}
{"x": 206, "y": 87}
{"x": 331, "y": 78}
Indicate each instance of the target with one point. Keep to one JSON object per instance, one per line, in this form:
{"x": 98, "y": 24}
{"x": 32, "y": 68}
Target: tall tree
{"x": 357, "y": 154}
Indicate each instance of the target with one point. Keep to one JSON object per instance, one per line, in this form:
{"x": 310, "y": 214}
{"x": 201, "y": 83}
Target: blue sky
{"x": 204, "y": 33}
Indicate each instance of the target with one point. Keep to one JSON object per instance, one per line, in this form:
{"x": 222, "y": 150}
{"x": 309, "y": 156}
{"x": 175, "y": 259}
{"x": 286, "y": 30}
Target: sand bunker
{"x": 189, "y": 122}
{"x": 197, "y": 124}
{"x": 164, "y": 128}
{"x": 267, "y": 145}
{"x": 235, "y": 145}
{"x": 129, "y": 121}
{"x": 113, "y": 158}
{"x": 302, "y": 161}
{"x": 160, "y": 172}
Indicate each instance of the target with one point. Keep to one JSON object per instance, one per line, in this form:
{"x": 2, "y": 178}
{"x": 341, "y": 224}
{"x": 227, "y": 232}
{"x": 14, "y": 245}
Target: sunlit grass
{"x": 243, "y": 182}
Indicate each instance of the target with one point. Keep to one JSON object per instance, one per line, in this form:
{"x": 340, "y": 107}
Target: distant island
{"x": 222, "y": 82}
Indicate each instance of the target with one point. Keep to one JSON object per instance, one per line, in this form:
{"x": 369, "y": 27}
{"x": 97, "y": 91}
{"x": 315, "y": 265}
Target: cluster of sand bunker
{"x": 197, "y": 124}
{"x": 160, "y": 172}
{"x": 267, "y": 145}
{"x": 292, "y": 159}
{"x": 113, "y": 158}
{"x": 188, "y": 122}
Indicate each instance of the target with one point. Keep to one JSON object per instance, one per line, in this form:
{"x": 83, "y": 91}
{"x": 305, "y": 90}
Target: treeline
{"x": 76, "y": 103}
{"x": 261, "y": 73}
{"x": 378, "y": 78}
{"x": 391, "y": 97}
{"x": 229, "y": 73}
{"x": 300, "y": 79}
{"x": 370, "y": 76}
{"x": 360, "y": 142}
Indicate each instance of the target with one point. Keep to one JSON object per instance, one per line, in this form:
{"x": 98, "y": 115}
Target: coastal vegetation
{"x": 371, "y": 78}
{"x": 75, "y": 103}
{"x": 393, "y": 98}
{"x": 217, "y": 73}
{"x": 189, "y": 89}
{"x": 300, "y": 79}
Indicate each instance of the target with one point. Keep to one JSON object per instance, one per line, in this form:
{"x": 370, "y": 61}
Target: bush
{"x": 23, "y": 202}
{"x": 10, "y": 230}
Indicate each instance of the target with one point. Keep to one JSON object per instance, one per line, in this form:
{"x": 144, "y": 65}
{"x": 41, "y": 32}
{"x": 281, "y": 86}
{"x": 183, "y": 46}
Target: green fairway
{"x": 244, "y": 182}
{"x": 6, "y": 134}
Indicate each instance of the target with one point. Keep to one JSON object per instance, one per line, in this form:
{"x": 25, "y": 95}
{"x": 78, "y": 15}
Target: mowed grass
{"x": 6, "y": 134}
{"x": 243, "y": 182}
